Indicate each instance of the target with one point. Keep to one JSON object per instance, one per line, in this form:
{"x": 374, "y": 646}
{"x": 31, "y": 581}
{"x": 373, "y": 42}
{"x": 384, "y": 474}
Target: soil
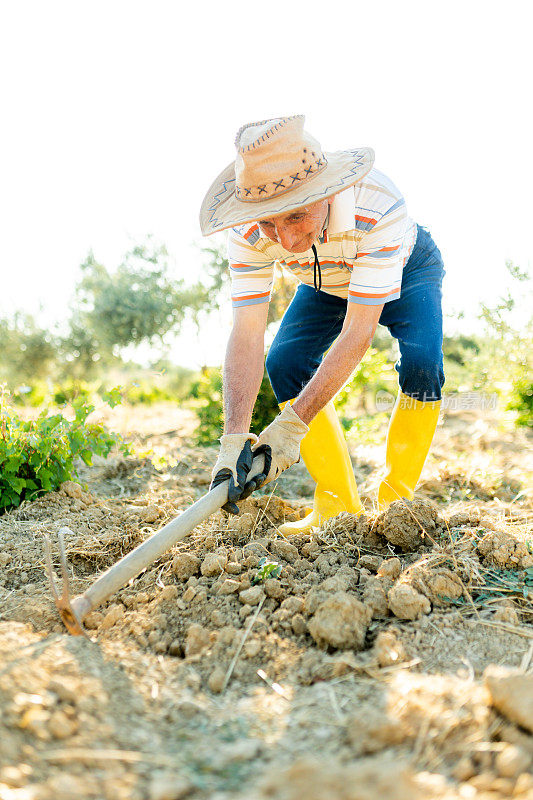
{"x": 392, "y": 657}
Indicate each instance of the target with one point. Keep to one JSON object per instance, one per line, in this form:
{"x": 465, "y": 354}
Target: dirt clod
{"x": 169, "y": 787}
{"x": 388, "y": 648}
{"x": 512, "y": 761}
{"x": 213, "y": 564}
{"x": 198, "y": 639}
{"x": 113, "y": 615}
{"x": 409, "y": 523}
{"x": 252, "y": 596}
{"x": 512, "y": 694}
{"x": 375, "y": 596}
{"x": 273, "y": 588}
{"x": 284, "y": 550}
{"x": 369, "y": 779}
{"x": 505, "y": 551}
{"x": 340, "y": 622}
{"x": 390, "y": 568}
{"x": 406, "y": 603}
{"x": 184, "y": 565}
{"x": 216, "y": 680}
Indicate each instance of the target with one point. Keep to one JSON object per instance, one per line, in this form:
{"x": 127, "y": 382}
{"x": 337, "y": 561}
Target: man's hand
{"x": 280, "y": 443}
{"x": 235, "y": 462}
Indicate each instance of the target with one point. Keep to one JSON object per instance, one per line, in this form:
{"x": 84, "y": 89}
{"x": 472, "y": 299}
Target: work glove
{"x": 280, "y": 443}
{"x": 235, "y": 462}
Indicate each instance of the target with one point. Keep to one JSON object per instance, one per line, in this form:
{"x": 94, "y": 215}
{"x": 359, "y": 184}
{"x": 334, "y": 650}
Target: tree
{"x": 138, "y": 303}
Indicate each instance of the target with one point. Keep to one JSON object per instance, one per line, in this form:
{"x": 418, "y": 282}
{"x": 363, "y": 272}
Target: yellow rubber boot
{"x": 411, "y": 428}
{"x": 325, "y": 454}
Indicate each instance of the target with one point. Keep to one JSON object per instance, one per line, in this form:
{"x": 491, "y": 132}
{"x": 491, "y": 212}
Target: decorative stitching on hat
{"x": 313, "y": 196}
{"x": 263, "y": 191}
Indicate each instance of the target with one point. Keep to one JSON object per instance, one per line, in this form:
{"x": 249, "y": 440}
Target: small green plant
{"x": 266, "y": 569}
{"x": 36, "y": 456}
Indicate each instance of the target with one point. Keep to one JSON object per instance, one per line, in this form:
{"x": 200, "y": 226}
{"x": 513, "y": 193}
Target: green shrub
{"x": 207, "y": 396}
{"x": 147, "y": 393}
{"x": 36, "y": 456}
{"x": 522, "y": 401}
{"x": 71, "y": 389}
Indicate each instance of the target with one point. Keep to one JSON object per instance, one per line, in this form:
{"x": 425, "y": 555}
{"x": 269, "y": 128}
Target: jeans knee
{"x": 422, "y": 376}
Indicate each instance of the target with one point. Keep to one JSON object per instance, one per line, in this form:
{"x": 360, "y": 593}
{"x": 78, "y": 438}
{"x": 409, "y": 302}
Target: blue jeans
{"x": 313, "y": 321}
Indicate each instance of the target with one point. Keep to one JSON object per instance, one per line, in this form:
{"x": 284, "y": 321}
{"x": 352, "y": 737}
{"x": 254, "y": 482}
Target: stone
{"x": 252, "y": 648}
{"x": 176, "y": 648}
{"x": 93, "y": 620}
{"x": 336, "y": 583}
{"x": 298, "y": 625}
{"x": 375, "y": 597}
{"x": 187, "y": 709}
{"x": 369, "y": 562}
{"x": 311, "y": 550}
{"x": 72, "y": 489}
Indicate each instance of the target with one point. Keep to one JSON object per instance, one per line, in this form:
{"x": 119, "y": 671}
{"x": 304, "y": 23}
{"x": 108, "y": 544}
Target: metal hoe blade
{"x": 70, "y": 618}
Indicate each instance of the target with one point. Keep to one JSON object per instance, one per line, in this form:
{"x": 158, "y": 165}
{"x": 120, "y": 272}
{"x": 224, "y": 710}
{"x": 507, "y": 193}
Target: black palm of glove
{"x": 243, "y": 488}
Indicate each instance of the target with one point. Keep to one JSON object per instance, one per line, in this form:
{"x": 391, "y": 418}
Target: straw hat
{"x": 279, "y": 167}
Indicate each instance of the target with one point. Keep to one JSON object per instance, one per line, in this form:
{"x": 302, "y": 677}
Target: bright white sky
{"x": 117, "y": 116}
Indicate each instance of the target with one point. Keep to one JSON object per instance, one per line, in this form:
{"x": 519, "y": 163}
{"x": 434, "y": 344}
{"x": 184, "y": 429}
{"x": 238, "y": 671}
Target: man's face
{"x": 297, "y": 230}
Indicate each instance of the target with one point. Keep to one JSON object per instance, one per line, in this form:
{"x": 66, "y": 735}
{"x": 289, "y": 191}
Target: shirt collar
{"x": 341, "y": 212}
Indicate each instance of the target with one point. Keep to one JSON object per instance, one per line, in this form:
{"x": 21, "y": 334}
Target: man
{"x": 341, "y": 227}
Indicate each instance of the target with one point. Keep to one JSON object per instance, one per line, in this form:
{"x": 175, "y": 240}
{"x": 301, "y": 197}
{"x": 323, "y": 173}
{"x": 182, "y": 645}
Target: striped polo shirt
{"x": 367, "y": 239}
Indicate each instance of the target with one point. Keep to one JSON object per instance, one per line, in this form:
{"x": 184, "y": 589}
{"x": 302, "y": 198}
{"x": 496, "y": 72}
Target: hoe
{"x": 74, "y": 610}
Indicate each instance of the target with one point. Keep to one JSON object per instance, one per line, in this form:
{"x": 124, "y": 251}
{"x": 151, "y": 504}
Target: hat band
{"x": 265, "y": 191}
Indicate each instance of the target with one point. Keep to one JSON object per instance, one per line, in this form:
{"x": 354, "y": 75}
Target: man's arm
{"x": 345, "y": 354}
{"x": 244, "y": 366}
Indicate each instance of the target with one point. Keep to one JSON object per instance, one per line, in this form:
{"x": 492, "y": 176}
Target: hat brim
{"x": 221, "y": 209}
